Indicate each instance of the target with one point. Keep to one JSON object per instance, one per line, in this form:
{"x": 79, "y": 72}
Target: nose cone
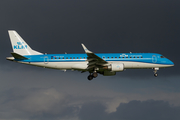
{"x": 170, "y": 63}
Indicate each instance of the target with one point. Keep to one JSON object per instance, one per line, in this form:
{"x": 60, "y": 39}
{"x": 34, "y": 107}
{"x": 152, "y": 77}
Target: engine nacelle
{"x": 116, "y": 67}
{"x": 109, "y": 73}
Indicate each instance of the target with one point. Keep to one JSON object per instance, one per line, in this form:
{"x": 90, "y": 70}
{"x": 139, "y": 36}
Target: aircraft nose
{"x": 170, "y": 62}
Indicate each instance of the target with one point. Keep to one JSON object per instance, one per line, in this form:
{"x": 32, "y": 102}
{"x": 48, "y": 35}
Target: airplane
{"x": 106, "y": 64}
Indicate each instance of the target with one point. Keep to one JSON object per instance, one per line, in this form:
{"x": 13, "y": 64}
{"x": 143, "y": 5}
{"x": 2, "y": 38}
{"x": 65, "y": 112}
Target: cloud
{"x": 42, "y": 100}
{"x": 35, "y": 103}
{"x": 92, "y": 111}
{"x": 52, "y": 103}
{"x": 77, "y": 90}
{"x": 133, "y": 110}
{"x": 150, "y": 109}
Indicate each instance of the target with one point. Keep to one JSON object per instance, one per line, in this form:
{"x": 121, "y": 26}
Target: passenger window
{"x": 115, "y": 57}
{"x": 108, "y": 57}
{"x": 77, "y": 58}
{"x": 126, "y": 57}
{"x": 130, "y": 57}
{"x": 73, "y": 57}
{"x": 51, "y": 57}
{"x": 141, "y": 57}
{"x": 162, "y": 57}
{"x": 137, "y": 57}
{"x": 66, "y": 57}
{"x": 134, "y": 56}
{"x": 111, "y": 57}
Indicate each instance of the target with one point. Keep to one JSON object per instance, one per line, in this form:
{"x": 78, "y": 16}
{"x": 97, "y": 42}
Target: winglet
{"x": 85, "y": 49}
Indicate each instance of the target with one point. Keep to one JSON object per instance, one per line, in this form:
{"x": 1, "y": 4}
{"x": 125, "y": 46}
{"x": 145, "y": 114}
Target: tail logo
{"x": 20, "y": 45}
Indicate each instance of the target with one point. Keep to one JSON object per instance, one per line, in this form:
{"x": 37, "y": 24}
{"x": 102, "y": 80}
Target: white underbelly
{"x": 60, "y": 65}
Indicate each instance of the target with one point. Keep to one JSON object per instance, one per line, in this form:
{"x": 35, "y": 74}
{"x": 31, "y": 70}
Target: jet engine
{"x": 115, "y": 67}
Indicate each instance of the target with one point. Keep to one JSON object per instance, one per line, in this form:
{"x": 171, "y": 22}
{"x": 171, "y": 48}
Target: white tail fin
{"x": 19, "y": 45}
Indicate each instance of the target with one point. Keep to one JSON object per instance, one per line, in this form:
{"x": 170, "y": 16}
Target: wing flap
{"x": 91, "y": 66}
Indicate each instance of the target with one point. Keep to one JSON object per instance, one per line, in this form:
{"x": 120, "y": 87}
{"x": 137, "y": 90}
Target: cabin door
{"x": 154, "y": 59}
{"x": 46, "y": 60}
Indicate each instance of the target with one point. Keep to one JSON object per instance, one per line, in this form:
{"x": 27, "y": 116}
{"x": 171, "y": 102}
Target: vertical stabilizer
{"x": 19, "y": 45}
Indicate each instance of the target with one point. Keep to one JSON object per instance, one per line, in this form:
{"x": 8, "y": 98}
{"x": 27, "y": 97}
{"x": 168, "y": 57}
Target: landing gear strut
{"x": 93, "y": 75}
{"x": 155, "y": 71}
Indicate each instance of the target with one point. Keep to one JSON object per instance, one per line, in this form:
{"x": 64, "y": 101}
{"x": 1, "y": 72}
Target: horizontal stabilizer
{"x": 17, "y": 56}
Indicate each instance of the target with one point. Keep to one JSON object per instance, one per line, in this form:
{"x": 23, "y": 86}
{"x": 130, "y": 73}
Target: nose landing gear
{"x": 155, "y": 71}
{"x": 155, "y": 74}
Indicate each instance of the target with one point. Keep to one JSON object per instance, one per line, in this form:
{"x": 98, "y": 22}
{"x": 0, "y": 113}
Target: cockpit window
{"x": 162, "y": 57}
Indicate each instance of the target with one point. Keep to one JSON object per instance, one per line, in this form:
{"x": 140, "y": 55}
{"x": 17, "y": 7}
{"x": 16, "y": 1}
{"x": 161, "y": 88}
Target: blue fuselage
{"x": 151, "y": 58}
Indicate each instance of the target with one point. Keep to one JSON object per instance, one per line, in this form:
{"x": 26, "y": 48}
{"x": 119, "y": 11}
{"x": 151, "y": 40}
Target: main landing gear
{"x": 155, "y": 71}
{"x": 93, "y": 75}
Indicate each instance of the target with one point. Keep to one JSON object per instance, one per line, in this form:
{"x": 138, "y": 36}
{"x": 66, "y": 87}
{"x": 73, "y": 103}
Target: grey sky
{"x": 59, "y": 26}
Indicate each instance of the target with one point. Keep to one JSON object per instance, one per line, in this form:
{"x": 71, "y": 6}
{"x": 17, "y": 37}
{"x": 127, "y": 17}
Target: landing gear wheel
{"x": 95, "y": 74}
{"x": 155, "y": 71}
{"x": 155, "y": 74}
{"x": 90, "y": 77}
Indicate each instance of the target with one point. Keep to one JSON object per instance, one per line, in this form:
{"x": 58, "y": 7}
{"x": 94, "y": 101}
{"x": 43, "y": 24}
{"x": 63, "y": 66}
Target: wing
{"x": 94, "y": 61}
